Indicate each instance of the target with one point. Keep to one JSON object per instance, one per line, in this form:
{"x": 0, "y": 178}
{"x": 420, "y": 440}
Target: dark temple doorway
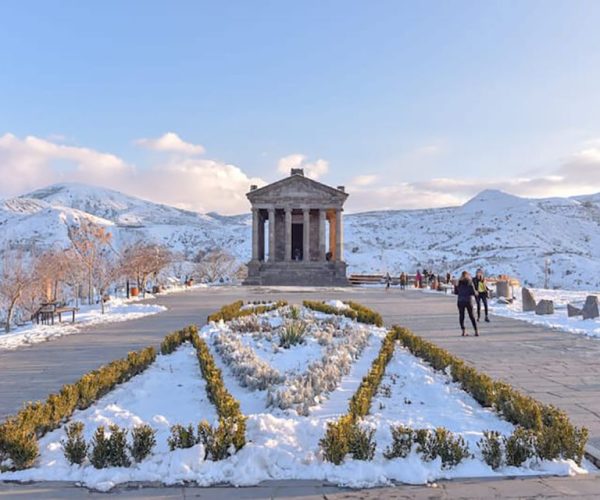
{"x": 297, "y": 242}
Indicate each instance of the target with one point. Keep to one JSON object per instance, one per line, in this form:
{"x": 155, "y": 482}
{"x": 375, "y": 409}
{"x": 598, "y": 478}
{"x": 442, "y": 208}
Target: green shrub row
{"x": 345, "y": 436}
{"x": 357, "y": 311}
{"x": 555, "y": 435}
{"x": 19, "y": 433}
{"x": 234, "y": 310}
{"x": 232, "y": 423}
{"x": 173, "y": 340}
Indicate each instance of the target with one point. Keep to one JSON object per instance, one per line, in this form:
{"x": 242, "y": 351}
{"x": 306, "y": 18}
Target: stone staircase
{"x": 297, "y": 273}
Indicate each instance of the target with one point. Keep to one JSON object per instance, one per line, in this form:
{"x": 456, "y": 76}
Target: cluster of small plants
{"x": 554, "y": 436}
{"x": 305, "y": 389}
{"x": 292, "y": 333}
{"x": 236, "y": 310}
{"x": 355, "y": 311}
{"x": 108, "y": 450}
{"x": 218, "y": 442}
{"x": 345, "y": 436}
{"x": 231, "y": 430}
{"x": 174, "y": 340}
{"x": 19, "y": 433}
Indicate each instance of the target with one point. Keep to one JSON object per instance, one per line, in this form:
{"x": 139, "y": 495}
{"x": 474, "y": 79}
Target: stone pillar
{"x": 288, "y": 234}
{"x": 306, "y": 235}
{"x": 261, "y": 237}
{"x": 255, "y": 222}
{"x": 322, "y": 243}
{"x": 339, "y": 235}
{"x": 332, "y": 236}
{"x": 271, "y": 235}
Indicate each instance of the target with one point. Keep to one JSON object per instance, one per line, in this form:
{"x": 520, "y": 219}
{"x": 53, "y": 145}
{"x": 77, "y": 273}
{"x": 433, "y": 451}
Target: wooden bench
{"x": 47, "y": 312}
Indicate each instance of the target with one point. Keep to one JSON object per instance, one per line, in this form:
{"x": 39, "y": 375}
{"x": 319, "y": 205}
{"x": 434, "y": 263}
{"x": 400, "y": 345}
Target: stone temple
{"x": 297, "y": 233}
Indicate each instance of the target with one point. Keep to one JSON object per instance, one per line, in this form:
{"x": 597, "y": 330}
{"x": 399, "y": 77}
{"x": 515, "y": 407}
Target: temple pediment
{"x": 297, "y": 190}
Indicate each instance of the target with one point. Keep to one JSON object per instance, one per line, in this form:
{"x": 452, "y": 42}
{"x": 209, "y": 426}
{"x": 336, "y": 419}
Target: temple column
{"x": 288, "y": 234}
{"x": 332, "y": 235}
{"x": 255, "y": 230}
{"x": 271, "y": 235}
{"x": 322, "y": 244}
{"x": 306, "y": 235}
{"x": 339, "y": 235}
{"x": 261, "y": 237}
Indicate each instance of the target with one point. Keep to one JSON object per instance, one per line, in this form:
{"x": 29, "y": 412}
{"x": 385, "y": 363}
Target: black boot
{"x": 487, "y": 320}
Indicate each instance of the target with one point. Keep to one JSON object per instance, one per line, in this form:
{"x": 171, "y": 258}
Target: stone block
{"x": 544, "y": 306}
{"x": 590, "y": 308}
{"x": 573, "y": 311}
{"x": 503, "y": 289}
{"x": 528, "y": 300}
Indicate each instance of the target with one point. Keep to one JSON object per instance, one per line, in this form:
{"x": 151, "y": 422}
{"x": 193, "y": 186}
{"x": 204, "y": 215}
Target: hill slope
{"x": 494, "y": 230}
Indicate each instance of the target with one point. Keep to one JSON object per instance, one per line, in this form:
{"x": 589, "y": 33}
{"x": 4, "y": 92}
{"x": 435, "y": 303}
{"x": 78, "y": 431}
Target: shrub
{"x": 292, "y": 334}
{"x": 218, "y": 442}
{"x": 362, "y": 443}
{"x": 19, "y": 444}
{"x": 181, "y": 437}
{"x": 336, "y": 442}
{"x": 173, "y": 340}
{"x": 234, "y": 310}
{"x": 491, "y": 449}
{"x": 402, "y": 441}
{"x": 75, "y": 447}
{"x": 117, "y": 447}
{"x": 519, "y": 446}
{"x": 100, "y": 449}
{"x": 356, "y": 311}
{"x": 143, "y": 440}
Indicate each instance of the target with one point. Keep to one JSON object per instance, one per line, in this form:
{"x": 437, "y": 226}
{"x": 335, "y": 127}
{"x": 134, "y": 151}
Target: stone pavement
{"x": 555, "y": 367}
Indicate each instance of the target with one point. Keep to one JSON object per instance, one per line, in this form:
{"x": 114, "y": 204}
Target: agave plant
{"x": 292, "y": 333}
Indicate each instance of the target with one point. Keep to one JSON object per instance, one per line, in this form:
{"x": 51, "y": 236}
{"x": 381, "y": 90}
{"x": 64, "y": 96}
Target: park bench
{"x": 48, "y": 311}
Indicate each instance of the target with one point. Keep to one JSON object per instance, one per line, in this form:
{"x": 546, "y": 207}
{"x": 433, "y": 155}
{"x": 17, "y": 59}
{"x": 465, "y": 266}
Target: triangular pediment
{"x": 298, "y": 190}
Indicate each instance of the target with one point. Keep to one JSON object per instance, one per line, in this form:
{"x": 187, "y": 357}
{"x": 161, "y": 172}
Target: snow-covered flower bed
{"x": 116, "y": 310}
{"x": 559, "y": 320}
{"x": 283, "y": 443}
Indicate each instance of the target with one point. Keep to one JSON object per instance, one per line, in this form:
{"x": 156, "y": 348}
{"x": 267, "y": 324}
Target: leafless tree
{"x": 15, "y": 278}
{"x": 142, "y": 260}
{"x": 216, "y": 265}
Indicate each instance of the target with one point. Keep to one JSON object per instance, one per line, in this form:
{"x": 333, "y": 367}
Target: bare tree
{"x": 15, "y": 278}
{"x": 216, "y": 265}
{"x": 142, "y": 260}
{"x": 89, "y": 242}
{"x": 107, "y": 271}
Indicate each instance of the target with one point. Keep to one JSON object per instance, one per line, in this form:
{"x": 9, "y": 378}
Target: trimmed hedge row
{"x": 19, "y": 433}
{"x": 232, "y": 423}
{"x": 344, "y": 435}
{"x": 234, "y": 310}
{"x": 555, "y": 435}
{"x": 357, "y": 311}
{"x": 173, "y": 340}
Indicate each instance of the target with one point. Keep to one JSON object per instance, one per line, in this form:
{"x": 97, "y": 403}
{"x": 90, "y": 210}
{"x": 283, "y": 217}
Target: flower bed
{"x": 355, "y": 311}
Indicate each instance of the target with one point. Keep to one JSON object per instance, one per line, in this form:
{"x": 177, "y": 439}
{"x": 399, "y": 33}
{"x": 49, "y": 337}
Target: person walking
{"x": 388, "y": 281}
{"x": 403, "y": 280}
{"x": 419, "y": 279}
{"x": 482, "y": 294}
{"x": 465, "y": 289}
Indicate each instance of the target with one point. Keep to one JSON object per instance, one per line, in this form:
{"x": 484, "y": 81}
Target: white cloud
{"x": 197, "y": 184}
{"x": 364, "y": 180}
{"x": 171, "y": 143}
{"x": 314, "y": 169}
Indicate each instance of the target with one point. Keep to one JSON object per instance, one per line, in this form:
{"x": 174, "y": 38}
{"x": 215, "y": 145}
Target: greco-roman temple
{"x": 297, "y": 233}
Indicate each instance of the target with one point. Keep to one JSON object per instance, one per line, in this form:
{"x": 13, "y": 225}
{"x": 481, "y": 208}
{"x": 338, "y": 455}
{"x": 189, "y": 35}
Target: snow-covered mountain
{"x": 494, "y": 230}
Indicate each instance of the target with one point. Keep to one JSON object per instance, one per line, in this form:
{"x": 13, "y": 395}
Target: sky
{"x": 408, "y": 104}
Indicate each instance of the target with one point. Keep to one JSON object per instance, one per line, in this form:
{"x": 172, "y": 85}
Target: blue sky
{"x": 409, "y": 103}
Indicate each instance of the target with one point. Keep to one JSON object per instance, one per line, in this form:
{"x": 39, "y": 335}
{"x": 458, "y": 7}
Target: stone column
{"x": 332, "y": 236}
{"x": 271, "y": 235}
{"x": 322, "y": 243}
{"x": 288, "y": 234}
{"x": 255, "y": 222}
{"x": 306, "y": 235}
{"x": 339, "y": 235}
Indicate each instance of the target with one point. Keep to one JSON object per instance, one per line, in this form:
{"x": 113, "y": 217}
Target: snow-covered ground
{"x": 115, "y": 311}
{"x": 282, "y": 444}
{"x": 502, "y": 233}
{"x": 559, "y": 320}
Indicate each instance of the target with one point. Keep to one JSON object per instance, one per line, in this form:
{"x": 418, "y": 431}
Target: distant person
{"x": 482, "y": 294}
{"x": 465, "y": 289}
{"x": 448, "y": 278}
{"x": 418, "y": 279}
{"x": 388, "y": 281}
{"x": 403, "y": 280}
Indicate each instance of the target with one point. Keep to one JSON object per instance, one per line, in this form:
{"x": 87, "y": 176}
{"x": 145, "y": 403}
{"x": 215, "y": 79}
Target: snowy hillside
{"x": 495, "y": 230}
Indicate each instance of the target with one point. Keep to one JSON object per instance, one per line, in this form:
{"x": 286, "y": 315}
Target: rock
{"x": 573, "y": 311}
{"x": 502, "y": 289}
{"x": 503, "y": 300}
{"x": 544, "y": 306}
{"x": 590, "y": 308}
{"x": 528, "y": 300}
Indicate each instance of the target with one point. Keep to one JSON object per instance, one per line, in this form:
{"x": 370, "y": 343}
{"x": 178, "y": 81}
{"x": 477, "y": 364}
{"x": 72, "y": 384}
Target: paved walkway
{"x": 555, "y": 367}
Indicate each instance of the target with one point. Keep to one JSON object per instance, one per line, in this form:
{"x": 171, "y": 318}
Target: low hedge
{"x": 173, "y": 340}
{"x": 234, "y": 310}
{"x": 232, "y": 423}
{"x": 19, "y": 433}
{"x": 357, "y": 311}
{"x": 555, "y": 435}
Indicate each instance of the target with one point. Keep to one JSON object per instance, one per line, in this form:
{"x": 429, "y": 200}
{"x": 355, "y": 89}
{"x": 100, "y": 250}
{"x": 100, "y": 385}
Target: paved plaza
{"x": 554, "y": 367}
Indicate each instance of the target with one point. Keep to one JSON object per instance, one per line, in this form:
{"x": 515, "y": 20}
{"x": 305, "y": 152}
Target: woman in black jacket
{"x": 466, "y": 291}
